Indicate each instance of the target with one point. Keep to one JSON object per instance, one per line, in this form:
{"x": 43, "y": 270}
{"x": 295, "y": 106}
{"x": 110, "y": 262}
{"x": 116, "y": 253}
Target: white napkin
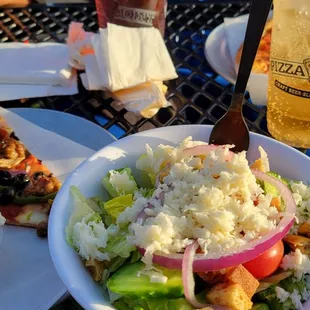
{"x": 130, "y": 56}
{"x": 235, "y": 29}
{"x": 131, "y": 69}
{"x": 28, "y": 277}
{"x": 145, "y": 99}
{"x": 35, "y": 70}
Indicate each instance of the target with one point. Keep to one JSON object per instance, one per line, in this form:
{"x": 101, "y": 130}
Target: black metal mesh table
{"x": 199, "y": 95}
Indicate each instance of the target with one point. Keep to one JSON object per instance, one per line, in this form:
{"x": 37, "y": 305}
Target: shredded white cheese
{"x": 297, "y": 262}
{"x": 282, "y": 294}
{"x": 2, "y": 220}
{"x": 296, "y": 299}
{"x": 264, "y": 158}
{"x": 88, "y": 237}
{"x": 214, "y": 205}
{"x": 121, "y": 182}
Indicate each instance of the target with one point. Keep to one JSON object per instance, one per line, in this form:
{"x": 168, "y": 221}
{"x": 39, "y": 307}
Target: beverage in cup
{"x": 288, "y": 110}
{"x": 132, "y": 13}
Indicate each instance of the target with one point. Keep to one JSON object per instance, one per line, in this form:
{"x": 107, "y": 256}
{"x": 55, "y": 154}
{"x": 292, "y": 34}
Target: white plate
{"x": 220, "y": 50}
{"x": 44, "y": 287}
{"x": 73, "y": 127}
{"x": 125, "y": 152}
{"x": 218, "y": 55}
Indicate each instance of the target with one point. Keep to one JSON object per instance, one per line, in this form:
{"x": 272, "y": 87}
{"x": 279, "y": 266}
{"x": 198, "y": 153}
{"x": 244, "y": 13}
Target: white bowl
{"x": 285, "y": 160}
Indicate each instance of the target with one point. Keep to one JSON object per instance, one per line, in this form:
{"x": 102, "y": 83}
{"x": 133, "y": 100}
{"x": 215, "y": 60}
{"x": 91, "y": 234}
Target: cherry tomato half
{"x": 267, "y": 263}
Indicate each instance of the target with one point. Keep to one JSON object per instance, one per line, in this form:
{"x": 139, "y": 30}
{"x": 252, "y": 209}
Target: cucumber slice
{"x": 126, "y": 282}
{"x": 271, "y": 189}
{"x": 276, "y": 175}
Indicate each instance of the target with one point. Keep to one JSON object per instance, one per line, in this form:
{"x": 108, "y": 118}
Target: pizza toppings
{"x": 29, "y": 215}
{"x": 7, "y": 196}
{"x": 262, "y": 62}
{"x": 27, "y": 187}
{"x": 12, "y": 152}
{"x": 42, "y": 229}
{"x": 5, "y": 178}
{"x": 22, "y": 200}
{"x": 41, "y": 184}
{"x": 32, "y": 165}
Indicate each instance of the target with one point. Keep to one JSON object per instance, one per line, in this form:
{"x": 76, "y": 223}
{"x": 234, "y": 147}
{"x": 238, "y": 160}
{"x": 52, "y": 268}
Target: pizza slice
{"x": 262, "y": 58}
{"x": 27, "y": 187}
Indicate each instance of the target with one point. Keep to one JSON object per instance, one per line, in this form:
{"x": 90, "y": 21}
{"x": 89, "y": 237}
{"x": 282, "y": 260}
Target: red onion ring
{"x": 188, "y": 278}
{"x": 247, "y": 252}
{"x": 142, "y": 216}
{"x": 204, "y": 150}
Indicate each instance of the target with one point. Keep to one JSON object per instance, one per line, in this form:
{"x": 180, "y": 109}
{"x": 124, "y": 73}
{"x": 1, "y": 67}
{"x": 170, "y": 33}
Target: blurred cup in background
{"x": 288, "y": 109}
{"x": 132, "y": 13}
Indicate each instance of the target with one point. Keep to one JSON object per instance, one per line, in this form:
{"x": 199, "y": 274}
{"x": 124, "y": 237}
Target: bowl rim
{"x": 52, "y": 242}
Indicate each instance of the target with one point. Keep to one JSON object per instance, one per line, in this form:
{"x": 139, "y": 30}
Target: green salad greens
{"x": 214, "y": 199}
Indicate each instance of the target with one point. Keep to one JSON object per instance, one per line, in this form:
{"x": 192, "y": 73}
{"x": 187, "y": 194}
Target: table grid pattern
{"x": 198, "y": 96}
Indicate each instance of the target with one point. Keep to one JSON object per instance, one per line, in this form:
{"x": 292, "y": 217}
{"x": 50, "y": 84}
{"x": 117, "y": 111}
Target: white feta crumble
{"x": 297, "y": 262}
{"x": 306, "y": 292}
{"x": 153, "y": 159}
{"x": 89, "y": 237}
{"x": 296, "y": 299}
{"x": 155, "y": 275}
{"x": 301, "y": 195}
{"x": 221, "y": 205}
{"x": 130, "y": 213}
{"x": 282, "y": 294}
{"x": 264, "y": 159}
{"x": 121, "y": 182}
{"x": 2, "y": 220}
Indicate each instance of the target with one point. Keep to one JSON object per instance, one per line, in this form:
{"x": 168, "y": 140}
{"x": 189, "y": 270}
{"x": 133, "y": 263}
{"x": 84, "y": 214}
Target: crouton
{"x": 230, "y": 295}
{"x": 258, "y": 165}
{"x": 304, "y": 229}
{"x": 276, "y": 202}
{"x": 240, "y": 275}
{"x": 213, "y": 277}
{"x": 298, "y": 242}
{"x": 96, "y": 268}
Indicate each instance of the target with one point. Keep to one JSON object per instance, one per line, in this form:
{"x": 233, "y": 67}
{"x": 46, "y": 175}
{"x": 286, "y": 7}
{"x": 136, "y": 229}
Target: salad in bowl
{"x": 195, "y": 226}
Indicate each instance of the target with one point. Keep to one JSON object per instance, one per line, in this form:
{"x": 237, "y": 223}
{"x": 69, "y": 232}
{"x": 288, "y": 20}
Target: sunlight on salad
{"x": 196, "y": 226}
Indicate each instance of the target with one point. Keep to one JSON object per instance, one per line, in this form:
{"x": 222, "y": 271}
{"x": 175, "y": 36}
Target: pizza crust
{"x": 261, "y": 62}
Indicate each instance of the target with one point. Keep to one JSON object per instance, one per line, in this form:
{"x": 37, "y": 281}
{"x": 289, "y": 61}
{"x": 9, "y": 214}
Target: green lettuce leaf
{"x": 116, "y": 206}
{"x": 119, "y": 182}
{"x": 81, "y": 209}
{"x": 146, "y": 192}
{"x": 290, "y": 284}
{"x": 118, "y": 246}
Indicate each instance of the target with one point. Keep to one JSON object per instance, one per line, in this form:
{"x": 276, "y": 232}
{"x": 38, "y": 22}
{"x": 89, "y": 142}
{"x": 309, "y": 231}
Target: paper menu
{"x": 28, "y": 277}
